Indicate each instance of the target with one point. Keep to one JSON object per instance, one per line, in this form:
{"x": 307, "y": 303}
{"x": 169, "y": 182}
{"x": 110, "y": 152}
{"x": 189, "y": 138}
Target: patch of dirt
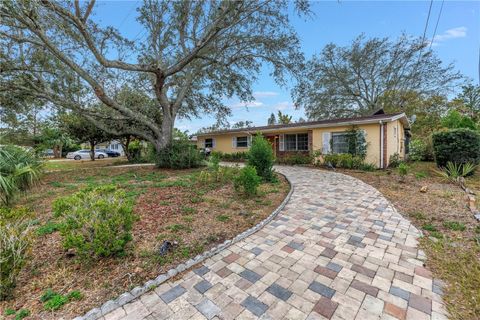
{"x": 196, "y": 217}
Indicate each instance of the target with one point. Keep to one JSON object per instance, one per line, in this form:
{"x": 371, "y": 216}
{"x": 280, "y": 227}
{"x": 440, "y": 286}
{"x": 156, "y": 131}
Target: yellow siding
{"x": 395, "y": 142}
{"x": 372, "y": 136}
{"x": 395, "y": 139}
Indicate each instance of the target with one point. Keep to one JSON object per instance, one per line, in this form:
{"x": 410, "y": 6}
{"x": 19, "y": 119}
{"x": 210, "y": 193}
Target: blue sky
{"x": 457, "y": 40}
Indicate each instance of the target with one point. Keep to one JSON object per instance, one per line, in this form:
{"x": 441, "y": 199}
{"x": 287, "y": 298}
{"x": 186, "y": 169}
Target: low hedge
{"x": 458, "y": 146}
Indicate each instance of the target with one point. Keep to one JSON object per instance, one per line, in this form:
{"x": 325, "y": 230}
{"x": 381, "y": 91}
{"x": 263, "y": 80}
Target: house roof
{"x": 320, "y": 123}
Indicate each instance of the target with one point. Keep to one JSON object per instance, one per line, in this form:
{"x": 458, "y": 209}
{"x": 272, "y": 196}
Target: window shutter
{"x": 234, "y": 142}
{"x": 326, "y": 137}
{"x": 249, "y": 141}
{"x": 282, "y": 142}
{"x": 204, "y": 143}
{"x": 213, "y": 143}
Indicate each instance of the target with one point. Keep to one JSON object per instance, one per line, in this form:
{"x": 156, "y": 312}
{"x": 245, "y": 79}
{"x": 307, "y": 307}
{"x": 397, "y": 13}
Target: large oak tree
{"x": 188, "y": 58}
{"x": 352, "y": 80}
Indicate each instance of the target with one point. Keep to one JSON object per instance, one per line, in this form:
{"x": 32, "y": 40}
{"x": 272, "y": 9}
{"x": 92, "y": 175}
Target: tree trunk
{"x": 56, "y": 152}
{"x": 167, "y": 133}
{"x": 92, "y": 150}
{"x": 125, "y": 143}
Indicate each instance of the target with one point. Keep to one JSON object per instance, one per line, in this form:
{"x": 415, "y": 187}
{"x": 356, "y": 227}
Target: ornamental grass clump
{"x": 96, "y": 222}
{"x": 15, "y": 240}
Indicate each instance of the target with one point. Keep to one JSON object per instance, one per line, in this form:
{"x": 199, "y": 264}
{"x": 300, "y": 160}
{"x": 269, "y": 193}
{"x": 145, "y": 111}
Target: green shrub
{"x": 235, "y": 156}
{"x": 54, "y": 301}
{"x": 22, "y": 313}
{"x": 15, "y": 239}
{"x": 180, "y": 154}
{"x": 261, "y": 157}
{"x": 96, "y": 221}
{"x": 454, "y": 225}
{"x": 403, "y": 170}
{"x": 47, "y": 228}
{"x": 297, "y": 158}
{"x": 247, "y": 181}
{"x": 417, "y": 150}
{"x": 394, "y": 160}
{"x": 458, "y": 146}
{"x": 347, "y": 161}
{"x": 19, "y": 170}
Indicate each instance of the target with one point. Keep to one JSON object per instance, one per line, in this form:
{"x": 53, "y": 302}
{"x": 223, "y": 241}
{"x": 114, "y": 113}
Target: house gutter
{"x": 381, "y": 143}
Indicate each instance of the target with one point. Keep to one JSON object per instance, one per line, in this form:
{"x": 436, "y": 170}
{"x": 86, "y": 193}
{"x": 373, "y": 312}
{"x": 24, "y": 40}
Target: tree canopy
{"x": 194, "y": 55}
{"x": 351, "y": 80}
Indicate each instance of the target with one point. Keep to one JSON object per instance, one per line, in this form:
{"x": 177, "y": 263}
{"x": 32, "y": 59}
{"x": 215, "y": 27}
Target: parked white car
{"x": 85, "y": 154}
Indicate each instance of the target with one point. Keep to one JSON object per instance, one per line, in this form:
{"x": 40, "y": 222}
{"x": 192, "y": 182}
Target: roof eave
{"x": 402, "y": 117}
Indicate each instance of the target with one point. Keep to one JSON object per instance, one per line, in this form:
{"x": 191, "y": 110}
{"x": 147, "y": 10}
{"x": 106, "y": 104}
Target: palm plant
{"x": 456, "y": 172}
{"x": 19, "y": 170}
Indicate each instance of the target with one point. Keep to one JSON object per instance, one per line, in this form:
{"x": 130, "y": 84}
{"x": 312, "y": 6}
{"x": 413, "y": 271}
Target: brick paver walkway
{"x": 336, "y": 251}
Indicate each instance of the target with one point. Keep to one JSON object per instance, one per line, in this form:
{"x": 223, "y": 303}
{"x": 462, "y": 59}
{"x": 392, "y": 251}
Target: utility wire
{"x": 436, "y": 25}
{"x": 128, "y": 14}
{"x": 426, "y": 24}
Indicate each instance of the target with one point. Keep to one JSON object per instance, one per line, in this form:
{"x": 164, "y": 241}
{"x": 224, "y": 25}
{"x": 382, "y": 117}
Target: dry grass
{"x": 452, "y": 233}
{"x": 170, "y": 205}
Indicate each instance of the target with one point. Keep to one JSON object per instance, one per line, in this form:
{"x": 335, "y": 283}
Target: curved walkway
{"x": 338, "y": 250}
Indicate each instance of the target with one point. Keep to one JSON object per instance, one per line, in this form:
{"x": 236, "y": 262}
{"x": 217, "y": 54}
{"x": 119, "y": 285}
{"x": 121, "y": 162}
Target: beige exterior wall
{"x": 372, "y": 136}
{"x": 395, "y": 139}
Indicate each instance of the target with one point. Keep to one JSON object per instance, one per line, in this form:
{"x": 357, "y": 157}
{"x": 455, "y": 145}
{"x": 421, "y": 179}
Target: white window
{"x": 339, "y": 142}
{"x": 209, "y": 143}
{"x": 296, "y": 142}
{"x": 242, "y": 142}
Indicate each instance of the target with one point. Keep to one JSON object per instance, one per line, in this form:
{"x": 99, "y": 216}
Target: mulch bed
{"x": 195, "y": 217}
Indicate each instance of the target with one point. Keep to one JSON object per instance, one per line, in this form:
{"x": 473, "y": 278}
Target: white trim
{"x": 381, "y": 143}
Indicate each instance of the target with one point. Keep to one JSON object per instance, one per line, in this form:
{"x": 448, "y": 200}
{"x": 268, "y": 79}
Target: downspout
{"x": 381, "y": 143}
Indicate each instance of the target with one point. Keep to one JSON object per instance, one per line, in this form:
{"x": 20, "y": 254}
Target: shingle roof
{"x": 353, "y": 120}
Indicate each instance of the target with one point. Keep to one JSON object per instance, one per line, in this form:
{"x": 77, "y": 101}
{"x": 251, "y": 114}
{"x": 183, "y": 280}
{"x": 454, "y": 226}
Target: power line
{"x": 128, "y": 14}
{"x": 436, "y": 25}
{"x": 426, "y": 24}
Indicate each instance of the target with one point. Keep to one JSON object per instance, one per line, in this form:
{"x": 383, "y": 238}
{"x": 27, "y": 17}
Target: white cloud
{"x": 265, "y": 94}
{"x": 251, "y": 104}
{"x": 284, "y": 105}
{"x": 453, "y": 33}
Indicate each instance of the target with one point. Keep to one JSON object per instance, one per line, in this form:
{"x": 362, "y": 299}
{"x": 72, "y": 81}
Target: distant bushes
{"x": 180, "y": 154}
{"x": 232, "y": 157}
{"x": 297, "y": 158}
{"x": 418, "y": 150}
{"x": 347, "y": 161}
{"x": 459, "y": 146}
{"x": 15, "y": 239}
{"x": 96, "y": 222}
{"x": 19, "y": 170}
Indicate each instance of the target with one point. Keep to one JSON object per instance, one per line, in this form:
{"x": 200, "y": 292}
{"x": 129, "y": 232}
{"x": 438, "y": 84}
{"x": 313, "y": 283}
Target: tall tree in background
{"x": 272, "y": 120}
{"x": 79, "y": 128}
{"x": 192, "y": 55}
{"x": 283, "y": 118}
{"x": 350, "y": 81}
{"x": 470, "y": 98}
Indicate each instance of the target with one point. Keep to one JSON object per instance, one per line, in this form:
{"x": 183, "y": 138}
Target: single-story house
{"x": 113, "y": 145}
{"x": 385, "y": 134}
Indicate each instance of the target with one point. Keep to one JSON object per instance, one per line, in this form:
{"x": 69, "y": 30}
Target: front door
{"x": 273, "y": 143}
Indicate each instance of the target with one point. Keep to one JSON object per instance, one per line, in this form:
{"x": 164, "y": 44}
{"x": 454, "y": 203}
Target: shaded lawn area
{"x": 171, "y": 205}
{"x": 452, "y": 234}
{"x": 70, "y": 164}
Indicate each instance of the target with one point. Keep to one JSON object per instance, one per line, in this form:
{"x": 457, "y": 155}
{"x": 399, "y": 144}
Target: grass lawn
{"x": 69, "y": 164}
{"x": 452, "y": 234}
{"x": 171, "y": 205}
